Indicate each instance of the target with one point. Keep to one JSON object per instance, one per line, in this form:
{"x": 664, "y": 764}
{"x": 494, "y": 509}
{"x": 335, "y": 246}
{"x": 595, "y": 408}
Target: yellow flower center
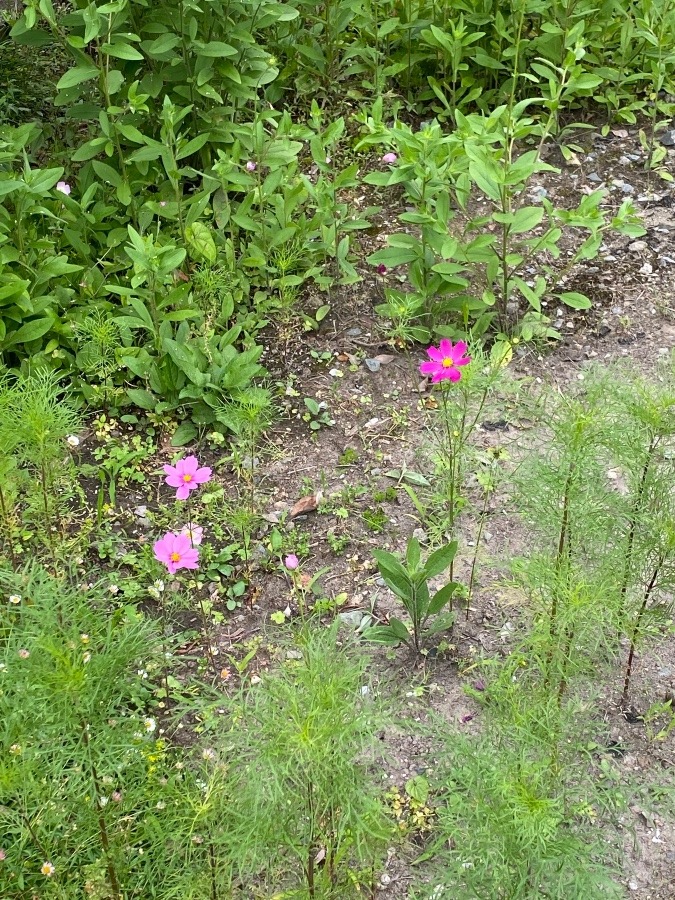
{"x": 187, "y": 477}
{"x": 175, "y": 557}
{"x": 448, "y": 363}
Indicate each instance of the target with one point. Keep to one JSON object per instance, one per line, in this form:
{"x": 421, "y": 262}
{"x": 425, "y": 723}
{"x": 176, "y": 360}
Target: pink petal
{"x": 181, "y": 544}
{"x": 183, "y": 491}
{"x": 190, "y": 560}
{"x": 173, "y": 480}
{"x": 460, "y": 350}
{"x": 464, "y": 361}
{"x": 453, "y": 374}
{"x": 445, "y": 348}
{"x": 202, "y": 475}
{"x": 435, "y": 353}
{"x": 430, "y": 368}
{"x": 189, "y": 465}
{"x": 161, "y": 551}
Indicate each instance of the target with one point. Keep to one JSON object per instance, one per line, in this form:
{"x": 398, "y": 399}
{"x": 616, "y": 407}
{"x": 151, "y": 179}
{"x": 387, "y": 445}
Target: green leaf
{"x": 30, "y": 331}
{"x": 141, "y": 398}
{"x": 527, "y": 218}
{"x": 122, "y": 50}
{"x": 442, "y": 623}
{"x": 184, "y": 434}
{"x": 440, "y": 560}
{"x": 76, "y": 76}
{"x": 575, "y": 300}
{"x": 380, "y": 634}
{"x": 199, "y": 238}
{"x": 399, "y": 629}
{"x": 417, "y": 788}
{"x": 442, "y": 597}
{"x": 394, "y": 575}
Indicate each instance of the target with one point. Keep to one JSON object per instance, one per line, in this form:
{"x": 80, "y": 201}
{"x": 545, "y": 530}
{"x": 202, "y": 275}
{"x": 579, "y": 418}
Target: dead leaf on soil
{"x": 384, "y": 358}
{"x": 304, "y": 505}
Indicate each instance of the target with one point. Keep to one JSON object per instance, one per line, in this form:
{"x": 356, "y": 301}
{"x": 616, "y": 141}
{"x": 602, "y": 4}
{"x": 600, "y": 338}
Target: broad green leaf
{"x": 440, "y": 560}
{"x": 575, "y": 300}
{"x": 184, "y": 434}
{"x": 141, "y": 398}
{"x": 527, "y": 218}
{"x": 76, "y": 76}
{"x": 380, "y": 634}
{"x": 442, "y": 597}
{"x": 393, "y": 574}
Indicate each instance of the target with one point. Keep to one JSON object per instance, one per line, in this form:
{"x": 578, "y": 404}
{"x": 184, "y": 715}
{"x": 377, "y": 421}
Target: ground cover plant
{"x": 337, "y": 449}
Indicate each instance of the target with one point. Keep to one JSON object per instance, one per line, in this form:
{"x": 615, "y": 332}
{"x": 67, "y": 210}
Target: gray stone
{"x": 373, "y": 364}
{"x": 668, "y": 138}
{"x": 352, "y": 617}
{"x": 354, "y": 332}
{"x": 594, "y": 177}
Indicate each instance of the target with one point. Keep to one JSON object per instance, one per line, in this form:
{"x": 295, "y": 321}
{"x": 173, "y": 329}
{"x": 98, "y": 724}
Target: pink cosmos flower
{"x": 389, "y": 158}
{"x": 291, "y": 561}
{"x": 64, "y": 187}
{"x": 186, "y": 475}
{"x": 251, "y": 166}
{"x": 194, "y": 534}
{"x": 444, "y": 360}
{"x": 176, "y": 552}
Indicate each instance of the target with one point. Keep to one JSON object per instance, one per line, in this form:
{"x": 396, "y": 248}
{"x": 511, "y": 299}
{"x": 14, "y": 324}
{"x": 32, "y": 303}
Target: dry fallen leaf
{"x": 304, "y": 505}
{"x": 384, "y": 358}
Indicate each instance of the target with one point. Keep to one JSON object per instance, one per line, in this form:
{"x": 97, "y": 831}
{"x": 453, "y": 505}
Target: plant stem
{"x": 633, "y": 524}
{"x": 45, "y": 501}
{"x": 206, "y": 631}
{"x": 102, "y": 827}
{"x": 7, "y": 529}
{"x": 481, "y": 526}
{"x": 636, "y": 629}
{"x": 212, "y": 869}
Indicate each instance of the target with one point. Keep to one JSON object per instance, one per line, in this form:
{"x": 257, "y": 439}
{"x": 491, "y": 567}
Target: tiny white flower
{"x": 208, "y": 753}
{"x": 150, "y": 725}
{"x": 15, "y": 598}
{"x": 161, "y": 804}
{"x": 73, "y": 440}
{"x": 142, "y": 674}
{"x": 159, "y": 585}
{"x": 47, "y": 868}
{"x": 113, "y": 589}
{"x": 102, "y": 801}
{"x": 87, "y": 657}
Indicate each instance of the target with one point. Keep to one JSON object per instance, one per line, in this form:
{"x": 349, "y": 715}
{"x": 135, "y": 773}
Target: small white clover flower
{"x": 208, "y": 753}
{"x": 15, "y": 599}
{"x": 73, "y": 440}
{"x": 102, "y": 801}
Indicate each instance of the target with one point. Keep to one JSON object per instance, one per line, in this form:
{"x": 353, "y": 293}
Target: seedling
{"x": 409, "y": 580}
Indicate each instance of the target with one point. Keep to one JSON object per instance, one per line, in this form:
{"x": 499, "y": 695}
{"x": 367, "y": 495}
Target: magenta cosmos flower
{"x": 186, "y": 476}
{"x": 176, "y": 552}
{"x": 291, "y": 561}
{"x": 444, "y": 361}
{"x": 389, "y": 158}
